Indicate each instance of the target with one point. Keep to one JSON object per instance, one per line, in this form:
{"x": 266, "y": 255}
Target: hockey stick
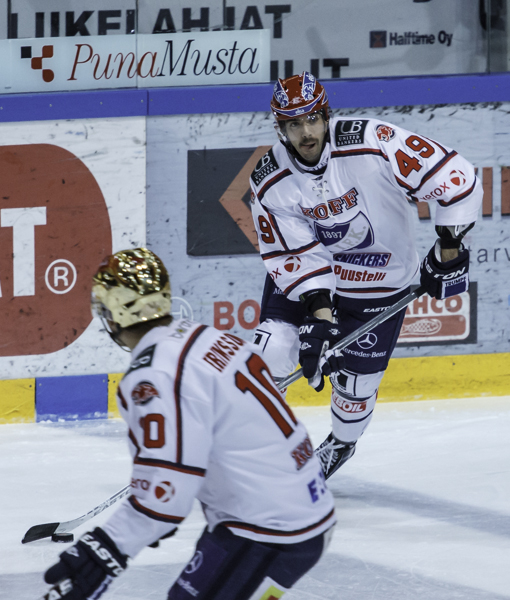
{"x": 384, "y": 316}
{"x": 38, "y": 532}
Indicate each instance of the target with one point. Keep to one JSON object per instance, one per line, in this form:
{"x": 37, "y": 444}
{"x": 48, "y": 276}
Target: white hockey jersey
{"x": 350, "y": 229}
{"x": 206, "y": 420}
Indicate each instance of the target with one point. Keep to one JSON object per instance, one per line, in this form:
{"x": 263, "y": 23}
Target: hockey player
{"x": 205, "y": 421}
{"x": 330, "y": 202}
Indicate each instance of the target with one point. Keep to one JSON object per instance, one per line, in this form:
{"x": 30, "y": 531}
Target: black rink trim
{"x": 152, "y": 514}
{"x": 269, "y": 255}
{"x": 272, "y": 182}
{"x": 354, "y": 420}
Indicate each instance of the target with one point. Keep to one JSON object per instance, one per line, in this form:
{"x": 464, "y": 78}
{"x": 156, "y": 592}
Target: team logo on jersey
{"x": 350, "y": 132}
{"x": 354, "y": 234}
{"x": 457, "y": 177}
{"x": 292, "y": 264}
{"x": 280, "y": 94}
{"x": 144, "y": 359}
{"x": 266, "y": 165}
{"x": 308, "y": 86}
{"x": 333, "y": 207}
{"x": 384, "y": 132}
{"x": 164, "y": 491}
{"x": 367, "y": 341}
{"x": 364, "y": 259}
{"x": 143, "y": 393}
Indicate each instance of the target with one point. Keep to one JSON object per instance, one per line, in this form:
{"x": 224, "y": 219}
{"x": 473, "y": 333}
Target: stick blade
{"x": 38, "y": 532}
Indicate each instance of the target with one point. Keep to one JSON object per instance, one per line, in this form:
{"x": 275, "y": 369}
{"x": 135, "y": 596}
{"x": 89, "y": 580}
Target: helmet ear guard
{"x": 131, "y": 287}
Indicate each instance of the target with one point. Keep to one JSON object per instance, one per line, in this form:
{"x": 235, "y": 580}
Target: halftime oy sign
{"x": 127, "y": 61}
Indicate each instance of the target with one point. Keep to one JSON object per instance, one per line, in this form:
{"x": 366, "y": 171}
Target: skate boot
{"x": 333, "y": 453}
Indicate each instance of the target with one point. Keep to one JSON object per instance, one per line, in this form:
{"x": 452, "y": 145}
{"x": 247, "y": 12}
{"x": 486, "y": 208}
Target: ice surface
{"x": 423, "y": 507}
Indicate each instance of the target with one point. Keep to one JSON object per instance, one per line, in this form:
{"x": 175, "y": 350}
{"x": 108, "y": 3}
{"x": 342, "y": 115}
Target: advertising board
{"x": 331, "y": 38}
{"x": 127, "y": 61}
{"x": 72, "y": 192}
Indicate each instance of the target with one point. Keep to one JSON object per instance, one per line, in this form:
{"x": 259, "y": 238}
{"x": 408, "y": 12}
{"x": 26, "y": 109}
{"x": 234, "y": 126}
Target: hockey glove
{"x": 315, "y": 337}
{"x": 444, "y": 279}
{"x": 86, "y": 569}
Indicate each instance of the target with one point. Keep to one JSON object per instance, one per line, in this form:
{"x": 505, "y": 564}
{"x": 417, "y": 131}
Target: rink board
{"x": 72, "y": 192}
{"x": 407, "y": 379}
{"x": 162, "y": 170}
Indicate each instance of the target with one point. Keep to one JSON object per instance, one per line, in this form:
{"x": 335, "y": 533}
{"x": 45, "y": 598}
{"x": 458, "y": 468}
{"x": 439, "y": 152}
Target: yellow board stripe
{"x": 435, "y": 377}
{"x": 17, "y": 401}
{"x": 113, "y": 384}
{"x": 417, "y": 378}
{"x": 427, "y": 378}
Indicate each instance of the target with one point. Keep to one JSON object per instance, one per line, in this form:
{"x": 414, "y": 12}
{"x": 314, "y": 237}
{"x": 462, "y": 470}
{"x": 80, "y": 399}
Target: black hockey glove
{"x": 86, "y": 569}
{"x": 444, "y": 279}
{"x": 315, "y": 337}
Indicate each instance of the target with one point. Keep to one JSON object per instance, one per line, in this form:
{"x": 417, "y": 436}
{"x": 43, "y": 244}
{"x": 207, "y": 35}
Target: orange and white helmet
{"x": 297, "y": 96}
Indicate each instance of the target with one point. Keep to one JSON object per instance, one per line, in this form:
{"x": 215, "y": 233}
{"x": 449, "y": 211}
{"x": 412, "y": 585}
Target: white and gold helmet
{"x": 130, "y": 287}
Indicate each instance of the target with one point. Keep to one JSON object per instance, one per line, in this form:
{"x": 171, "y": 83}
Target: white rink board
{"x": 114, "y": 151}
{"x": 480, "y": 132}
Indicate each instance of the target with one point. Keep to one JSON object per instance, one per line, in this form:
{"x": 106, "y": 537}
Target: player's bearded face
{"x": 307, "y": 135}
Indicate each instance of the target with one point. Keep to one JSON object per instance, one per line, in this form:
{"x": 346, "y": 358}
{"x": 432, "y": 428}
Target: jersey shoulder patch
{"x": 266, "y": 165}
{"x": 349, "y": 132}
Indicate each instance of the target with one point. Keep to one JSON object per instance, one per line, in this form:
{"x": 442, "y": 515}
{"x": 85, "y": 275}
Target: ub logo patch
{"x": 348, "y": 133}
{"x": 143, "y": 393}
{"x": 266, "y": 165}
{"x": 384, "y": 132}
